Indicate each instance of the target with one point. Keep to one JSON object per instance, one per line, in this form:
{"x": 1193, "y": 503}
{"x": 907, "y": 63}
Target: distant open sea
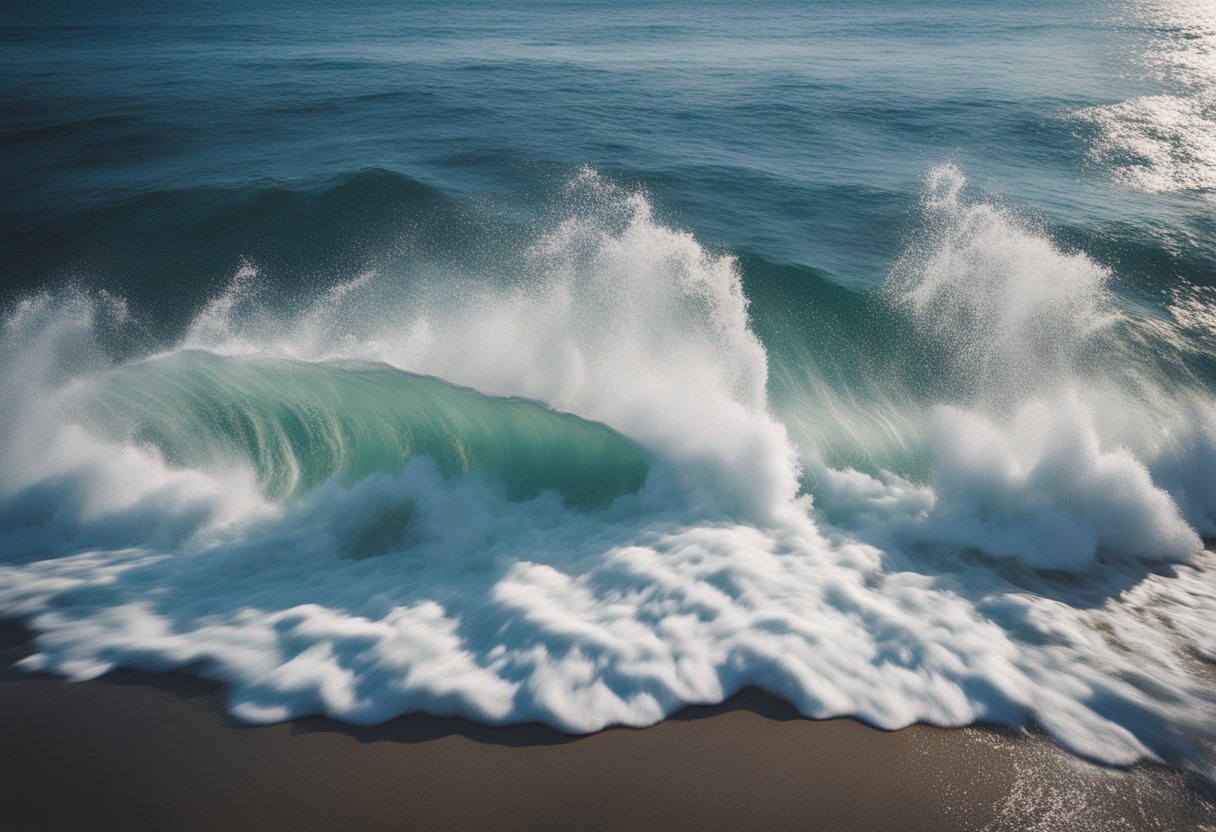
{"x": 578, "y": 361}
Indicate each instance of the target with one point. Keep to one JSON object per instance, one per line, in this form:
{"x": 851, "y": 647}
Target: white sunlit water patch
{"x": 1166, "y": 141}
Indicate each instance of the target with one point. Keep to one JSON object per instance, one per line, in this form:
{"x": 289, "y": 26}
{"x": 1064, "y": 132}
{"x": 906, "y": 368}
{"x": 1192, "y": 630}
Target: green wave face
{"x": 299, "y": 424}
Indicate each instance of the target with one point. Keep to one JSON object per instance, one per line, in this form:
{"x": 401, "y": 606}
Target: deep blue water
{"x": 800, "y": 131}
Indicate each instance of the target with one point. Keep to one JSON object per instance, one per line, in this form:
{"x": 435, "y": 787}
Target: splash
{"x": 1023, "y": 466}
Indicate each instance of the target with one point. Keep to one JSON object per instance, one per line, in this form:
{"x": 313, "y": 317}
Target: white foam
{"x": 1044, "y": 491}
{"x": 508, "y": 613}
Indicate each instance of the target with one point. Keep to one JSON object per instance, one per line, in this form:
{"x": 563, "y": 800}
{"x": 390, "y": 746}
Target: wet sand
{"x": 155, "y": 751}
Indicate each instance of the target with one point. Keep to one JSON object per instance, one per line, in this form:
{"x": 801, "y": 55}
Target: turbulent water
{"x": 576, "y": 363}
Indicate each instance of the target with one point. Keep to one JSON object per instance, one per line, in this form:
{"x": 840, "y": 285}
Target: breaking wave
{"x": 610, "y": 472}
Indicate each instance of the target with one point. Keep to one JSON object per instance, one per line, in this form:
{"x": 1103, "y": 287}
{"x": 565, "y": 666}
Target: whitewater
{"x": 600, "y": 475}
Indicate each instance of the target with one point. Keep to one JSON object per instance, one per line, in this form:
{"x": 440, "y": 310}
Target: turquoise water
{"x": 300, "y": 424}
{"x": 578, "y": 362}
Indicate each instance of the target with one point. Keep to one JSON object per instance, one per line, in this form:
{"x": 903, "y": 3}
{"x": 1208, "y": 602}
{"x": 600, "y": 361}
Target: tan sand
{"x": 154, "y": 751}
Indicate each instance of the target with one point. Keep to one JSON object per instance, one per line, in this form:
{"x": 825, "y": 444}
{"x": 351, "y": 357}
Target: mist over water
{"x": 501, "y": 433}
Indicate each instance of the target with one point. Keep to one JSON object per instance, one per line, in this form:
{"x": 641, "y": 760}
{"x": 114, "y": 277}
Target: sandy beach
{"x": 155, "y": 751}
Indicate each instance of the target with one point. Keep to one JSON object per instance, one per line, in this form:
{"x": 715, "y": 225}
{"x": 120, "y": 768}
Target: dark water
{"x": 882, "y": 339}
{"x": 139, "y": 136}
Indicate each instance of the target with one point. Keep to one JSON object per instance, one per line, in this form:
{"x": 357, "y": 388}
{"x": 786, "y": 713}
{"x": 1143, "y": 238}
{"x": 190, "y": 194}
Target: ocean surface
{"x": 578, "y": 361}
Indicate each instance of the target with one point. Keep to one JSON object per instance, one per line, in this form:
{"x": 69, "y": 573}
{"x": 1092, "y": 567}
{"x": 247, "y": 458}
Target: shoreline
{"x": 136, "y": 750}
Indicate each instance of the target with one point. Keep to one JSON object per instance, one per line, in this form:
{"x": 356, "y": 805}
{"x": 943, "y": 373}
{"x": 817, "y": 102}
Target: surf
{"x": 611, "y": 471}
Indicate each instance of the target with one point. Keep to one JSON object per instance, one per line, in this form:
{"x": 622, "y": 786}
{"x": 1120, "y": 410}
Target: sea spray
{"x": 1021, "y": 467}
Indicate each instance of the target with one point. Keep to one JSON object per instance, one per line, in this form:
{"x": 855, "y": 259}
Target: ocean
{"x": 574, "y": 362}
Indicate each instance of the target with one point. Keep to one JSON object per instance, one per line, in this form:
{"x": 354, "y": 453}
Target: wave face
{"x": 299, "y": 424}
{"x": 606, "y": 472}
